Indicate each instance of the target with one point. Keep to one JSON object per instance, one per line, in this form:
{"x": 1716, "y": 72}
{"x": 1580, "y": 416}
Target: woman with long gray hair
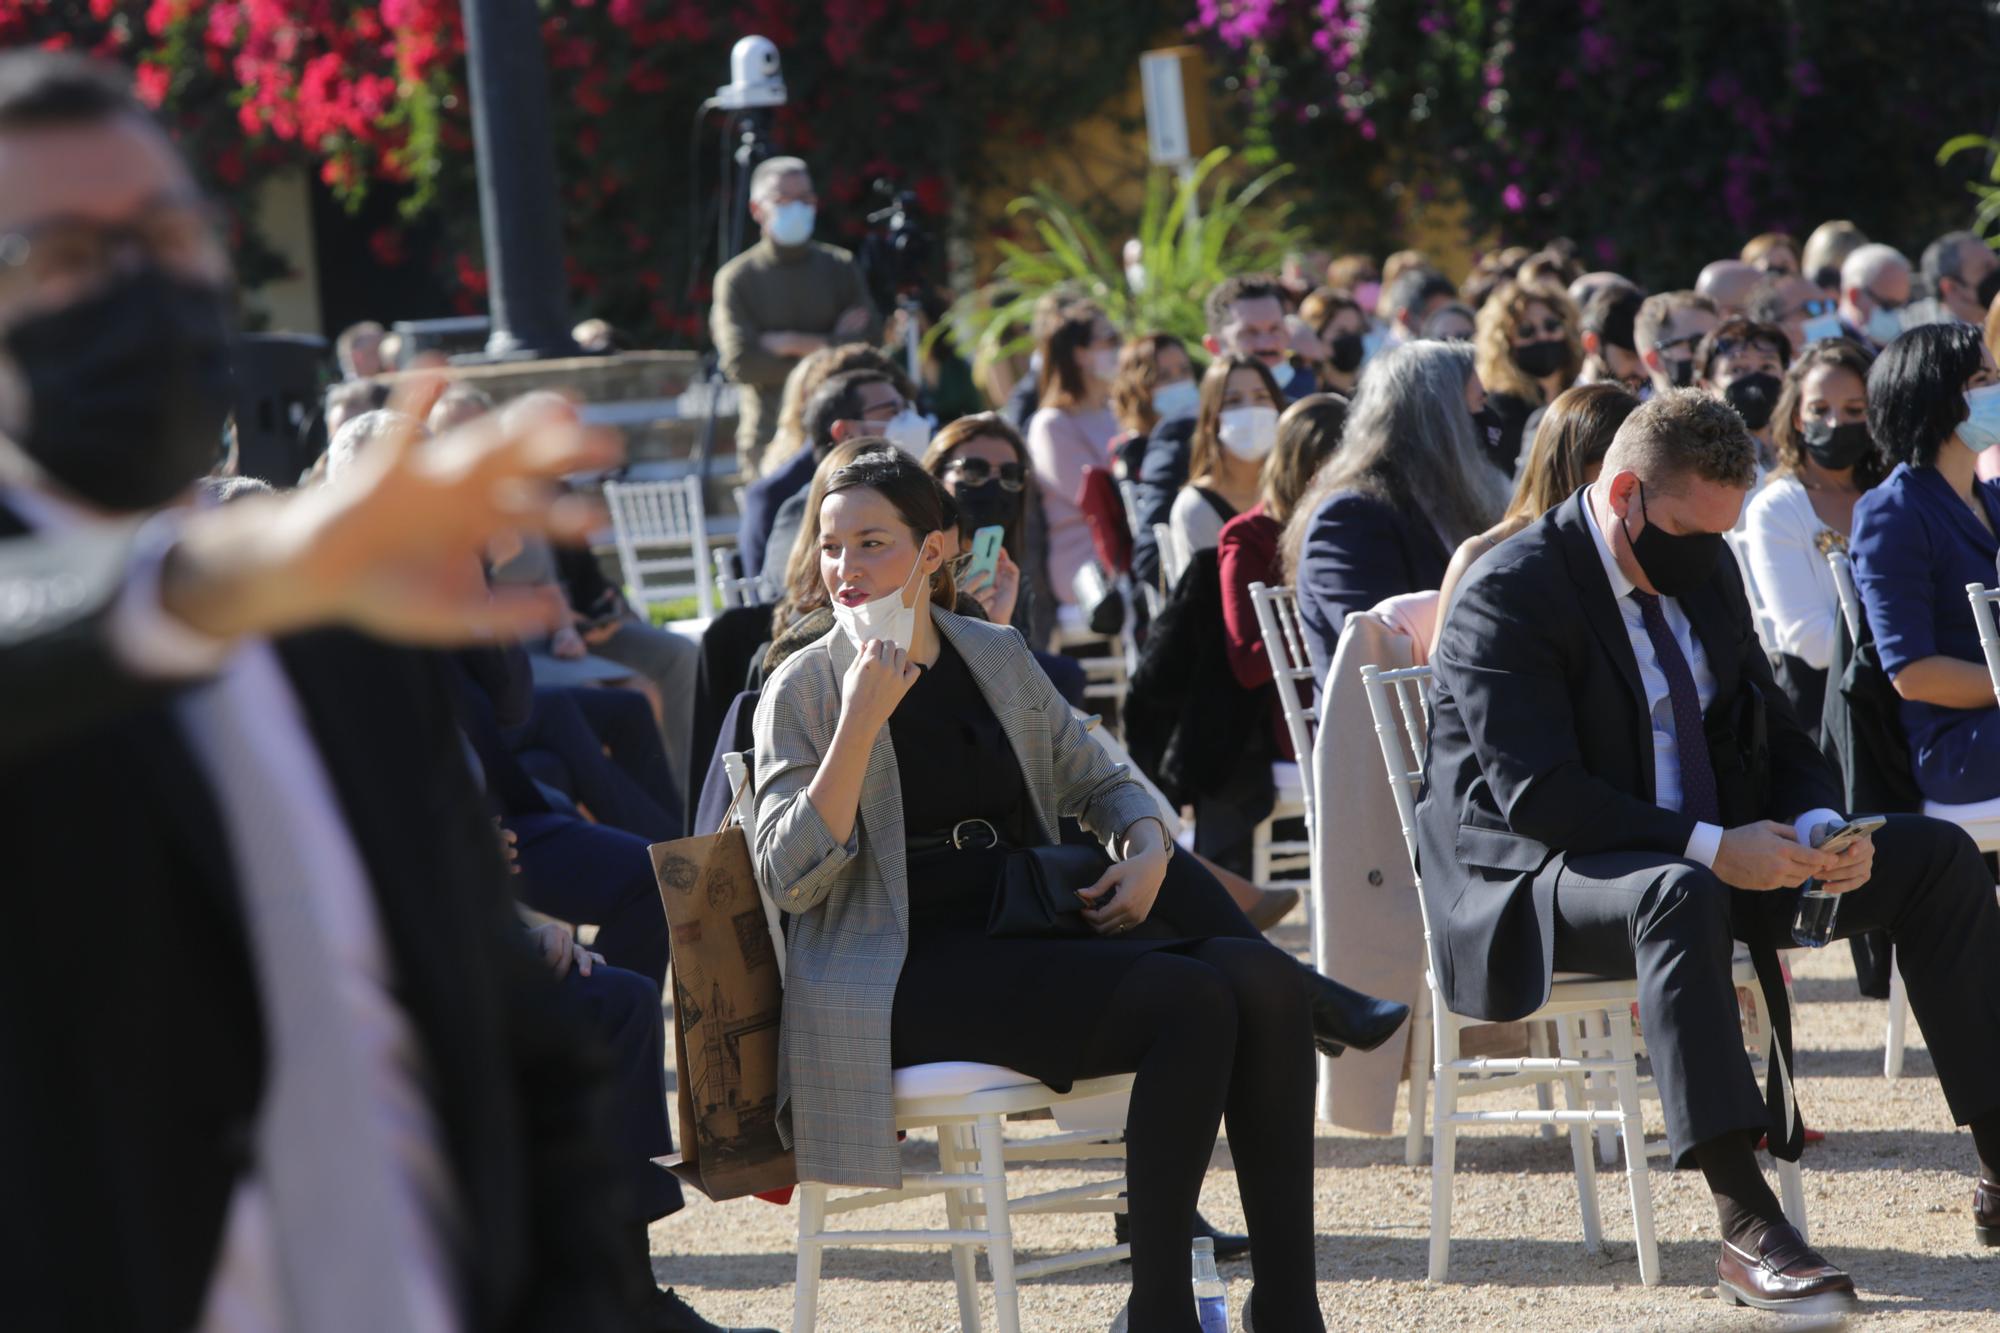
{"x": 1407, "y": 485}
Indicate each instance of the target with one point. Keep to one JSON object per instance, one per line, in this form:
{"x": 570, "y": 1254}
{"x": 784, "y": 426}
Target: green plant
{"x": 1986, "y": 191}
{"x": 1193, "y": 232}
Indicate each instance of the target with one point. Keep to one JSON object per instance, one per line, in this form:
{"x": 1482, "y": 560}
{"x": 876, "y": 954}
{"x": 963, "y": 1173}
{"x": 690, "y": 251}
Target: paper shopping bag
{"x": 727, "y": 1002}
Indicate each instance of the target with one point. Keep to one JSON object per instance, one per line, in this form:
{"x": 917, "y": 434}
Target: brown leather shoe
{"x": 1986, "y": 1212}
{"x": 1782, "y": 1273}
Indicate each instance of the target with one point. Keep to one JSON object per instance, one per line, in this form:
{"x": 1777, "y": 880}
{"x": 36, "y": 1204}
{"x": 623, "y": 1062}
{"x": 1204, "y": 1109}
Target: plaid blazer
{"x": 850, "y": 924}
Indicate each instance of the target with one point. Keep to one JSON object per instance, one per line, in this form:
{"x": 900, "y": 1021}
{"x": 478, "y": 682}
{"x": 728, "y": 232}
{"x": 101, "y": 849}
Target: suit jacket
{"x": 1541, "y": 746}
{"x": 132, "y": 1050}
{"x": 850, "y": 926}
{"x": 1359, "y": 550}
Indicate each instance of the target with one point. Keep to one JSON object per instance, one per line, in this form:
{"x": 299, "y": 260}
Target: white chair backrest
{"x": 1293, "y": 664}
{"x": 1983, "y": 600}
{"x": 1843, "y": 583}
{"x": 662, "y": 516}
{"x": 1396, "y": 703}
{"x": 736, "y": 767}
{"x": 1128, "y": 491}
{"x": 1173, "y": 559}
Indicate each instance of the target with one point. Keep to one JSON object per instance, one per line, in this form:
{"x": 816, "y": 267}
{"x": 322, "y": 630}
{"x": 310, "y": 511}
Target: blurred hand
{"x": 559, "y": 949}
{"x": 1768, "y": 855}
{"x": 876, "y": 681}
{"x": 1303, "y": 341}
{"x": 391, "y": 545}
{"x": 509, "y": 841}
{"x": 853, "y": 322}
{"x": 1852, "y": 867}
{"x": 1123, "y": 895}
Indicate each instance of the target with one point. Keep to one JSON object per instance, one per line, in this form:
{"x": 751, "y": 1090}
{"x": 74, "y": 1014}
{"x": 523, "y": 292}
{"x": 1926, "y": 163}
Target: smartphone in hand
{"x": 985, "y": 554}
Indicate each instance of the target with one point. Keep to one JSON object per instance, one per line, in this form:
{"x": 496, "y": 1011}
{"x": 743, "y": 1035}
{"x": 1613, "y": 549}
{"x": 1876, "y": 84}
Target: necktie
{"x": 1698, "y": 793}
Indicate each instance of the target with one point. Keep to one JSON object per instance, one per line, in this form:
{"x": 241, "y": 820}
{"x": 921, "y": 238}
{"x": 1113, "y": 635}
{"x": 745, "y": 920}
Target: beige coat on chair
{"x": 1367, "y": 928}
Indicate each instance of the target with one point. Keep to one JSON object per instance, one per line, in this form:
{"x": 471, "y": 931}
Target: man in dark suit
{"x": 1246, "y": 317}
{"x": 1608, "y": 764}
{"x": 316, "y": 1080}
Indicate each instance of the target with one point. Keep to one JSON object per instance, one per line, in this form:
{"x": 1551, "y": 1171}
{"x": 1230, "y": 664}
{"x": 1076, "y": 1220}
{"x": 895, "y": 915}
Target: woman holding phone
{"x": 901, "y": 761}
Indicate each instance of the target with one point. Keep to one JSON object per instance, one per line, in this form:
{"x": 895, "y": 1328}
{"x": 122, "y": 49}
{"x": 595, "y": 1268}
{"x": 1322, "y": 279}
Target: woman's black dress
{"x": 1026, "y": 1004}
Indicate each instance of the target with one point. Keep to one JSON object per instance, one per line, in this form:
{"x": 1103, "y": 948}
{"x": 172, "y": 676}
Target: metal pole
{"x": 514, "y": 149}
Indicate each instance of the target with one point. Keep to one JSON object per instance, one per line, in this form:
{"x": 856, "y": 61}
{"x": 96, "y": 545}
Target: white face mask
{"x": 1283, "y": 373}
{"x": 1884, "y": 325}
{"x": 885, "y": 618}
{"x": 1177, "y": 399}
{"x": 792, "y": 223}
{"x": 909, "y": 430}
{"x": 1249, "y": 432}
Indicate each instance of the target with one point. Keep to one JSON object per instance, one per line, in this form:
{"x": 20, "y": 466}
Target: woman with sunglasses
{"x": 1528, "y": 349}
{"x": 982, "y": 464}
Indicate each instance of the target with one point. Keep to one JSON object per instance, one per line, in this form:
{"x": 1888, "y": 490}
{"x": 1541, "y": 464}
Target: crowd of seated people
{"x": 447, "y": 819}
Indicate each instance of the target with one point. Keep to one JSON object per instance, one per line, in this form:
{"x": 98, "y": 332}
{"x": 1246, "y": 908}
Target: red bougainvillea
{"x": 372, "y": 95}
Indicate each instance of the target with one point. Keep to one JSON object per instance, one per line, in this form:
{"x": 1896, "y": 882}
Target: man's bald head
{"x": 1727, "y": 282}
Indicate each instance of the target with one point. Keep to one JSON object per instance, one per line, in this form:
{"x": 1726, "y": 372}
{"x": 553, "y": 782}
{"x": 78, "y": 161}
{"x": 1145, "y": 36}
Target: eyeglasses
{"x": 977, "y": 472}
{"x": 1688, "y": 340}
{"x": 1883, "y": 301}
{"x": 1813, "y": 309}
{"x": 1548, "y": 328}
{"x": 64, "y": 256}
{"x": 884, "y": 411}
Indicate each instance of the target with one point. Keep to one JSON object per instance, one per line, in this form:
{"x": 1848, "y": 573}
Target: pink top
{"x": 1061, "y": 444}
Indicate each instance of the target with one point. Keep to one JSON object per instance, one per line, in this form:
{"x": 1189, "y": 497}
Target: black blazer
{"x": 132, "y": 1055}
{"x": 1540, "y": 745}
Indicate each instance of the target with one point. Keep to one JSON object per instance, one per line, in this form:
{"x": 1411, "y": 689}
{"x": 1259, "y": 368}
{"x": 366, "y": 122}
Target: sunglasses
{"x": 1548, "y": 328}
{"x": 977, "y": 472}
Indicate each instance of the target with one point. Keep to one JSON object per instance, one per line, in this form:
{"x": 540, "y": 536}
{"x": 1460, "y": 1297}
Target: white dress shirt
{"x": 246, "y": 1290}
{"x": 1706, "y": 840}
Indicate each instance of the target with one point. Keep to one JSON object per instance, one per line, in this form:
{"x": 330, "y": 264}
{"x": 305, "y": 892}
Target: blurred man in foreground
{"x": 316, "y": 1081}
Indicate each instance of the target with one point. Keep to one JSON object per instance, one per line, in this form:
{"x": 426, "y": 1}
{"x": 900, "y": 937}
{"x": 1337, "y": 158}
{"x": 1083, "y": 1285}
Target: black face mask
{"x": 987, "y": 505}
{"x": 1681, "y": 373}
{"x": 1346, "y": 350}
{"x": 1989, "y": 287}
{"x": 1674, "y": 565}
{"x": 128, "y": 390}
{"x": 1837, "y": 448}
{"x": 1753, "y": 397}
{"x": 1538, "y": 360}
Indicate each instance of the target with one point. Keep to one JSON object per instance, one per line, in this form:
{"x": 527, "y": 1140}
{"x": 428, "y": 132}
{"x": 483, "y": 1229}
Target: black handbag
{"x": 1098, "y": 599}
{"x": 1036, "y": 896}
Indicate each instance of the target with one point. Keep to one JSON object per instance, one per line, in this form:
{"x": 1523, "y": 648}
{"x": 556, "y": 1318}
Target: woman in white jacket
{"x": 1825, "y": 461}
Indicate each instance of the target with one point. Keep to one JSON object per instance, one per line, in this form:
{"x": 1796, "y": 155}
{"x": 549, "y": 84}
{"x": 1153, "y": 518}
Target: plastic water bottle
{"x": 1211, "y": 1293}
{"x": 1813, "y": 926}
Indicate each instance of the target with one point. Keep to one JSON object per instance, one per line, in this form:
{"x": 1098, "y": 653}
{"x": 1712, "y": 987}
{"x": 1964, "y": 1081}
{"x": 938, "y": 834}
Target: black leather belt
{"x": 967, "y": 835}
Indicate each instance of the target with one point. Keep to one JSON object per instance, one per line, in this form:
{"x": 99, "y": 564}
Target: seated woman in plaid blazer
{"x": 899, "y": 760}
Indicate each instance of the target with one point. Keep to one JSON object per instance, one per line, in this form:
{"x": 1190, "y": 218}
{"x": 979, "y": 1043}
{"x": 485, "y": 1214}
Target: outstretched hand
{"x": 392, "y": 545}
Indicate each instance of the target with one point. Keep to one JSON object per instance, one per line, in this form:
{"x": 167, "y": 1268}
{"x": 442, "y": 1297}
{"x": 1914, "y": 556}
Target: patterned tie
{"x": 1698, "y": 793}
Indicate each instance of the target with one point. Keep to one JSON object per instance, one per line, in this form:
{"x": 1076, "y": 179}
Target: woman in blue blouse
{"x": 1920, "y": 537}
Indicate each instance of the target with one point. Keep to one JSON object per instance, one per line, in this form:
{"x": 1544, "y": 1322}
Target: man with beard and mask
{"x": 1595, "y": 802}
{"x": 1246, "y": 317}
{"x": 848, "y": 406}
{"x": 1666, "y": 331}
{"x": 1610, "y": 347}
{"x": 1742, "y": 363}
{"x": 783, "y": 298}
{"x": 1959, "y": 274}
{"x": 317, "y": 1079}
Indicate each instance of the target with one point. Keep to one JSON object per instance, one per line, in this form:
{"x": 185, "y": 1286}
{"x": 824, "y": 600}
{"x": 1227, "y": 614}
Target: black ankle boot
{"x": 1342, "y": 1017}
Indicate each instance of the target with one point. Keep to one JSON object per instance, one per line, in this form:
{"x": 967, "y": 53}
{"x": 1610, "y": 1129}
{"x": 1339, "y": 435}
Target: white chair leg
{"x": 1260, "y": 854}
{"x": 952, "y": 1159}
{"x": 1792, "y": 1193}
{"x": 1632, "y": 1131}
{"x": 1444, "y": 1143}
{"x": 999, "y": 1231}
{"x": 1602, "y": 1094}
{"x": 1578, "y": 1098}
{"x": 1899, "y": 1021}
{"x": 1420, "y": 1075}
{"x": 812, "y": 1222}
{"x": 1545, "y": 1095}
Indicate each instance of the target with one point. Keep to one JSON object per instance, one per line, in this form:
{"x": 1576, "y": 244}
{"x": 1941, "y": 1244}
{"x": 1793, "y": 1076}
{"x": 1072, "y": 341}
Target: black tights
{"x": 1219, "y": 1029}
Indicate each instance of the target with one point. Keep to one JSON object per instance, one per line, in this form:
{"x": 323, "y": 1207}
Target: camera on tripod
{"x": 897, "y": 252}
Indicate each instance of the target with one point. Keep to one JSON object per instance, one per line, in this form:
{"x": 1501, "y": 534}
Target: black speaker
{"x": 278, "y": 429}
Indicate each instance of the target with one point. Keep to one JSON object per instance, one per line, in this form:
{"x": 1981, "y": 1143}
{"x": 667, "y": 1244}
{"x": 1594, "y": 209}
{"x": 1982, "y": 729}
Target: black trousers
{"x": 1671, "y": 924}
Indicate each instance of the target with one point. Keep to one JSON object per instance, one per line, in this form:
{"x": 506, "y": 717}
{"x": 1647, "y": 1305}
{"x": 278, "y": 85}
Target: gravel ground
{"x": 1889, "y": 1194}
